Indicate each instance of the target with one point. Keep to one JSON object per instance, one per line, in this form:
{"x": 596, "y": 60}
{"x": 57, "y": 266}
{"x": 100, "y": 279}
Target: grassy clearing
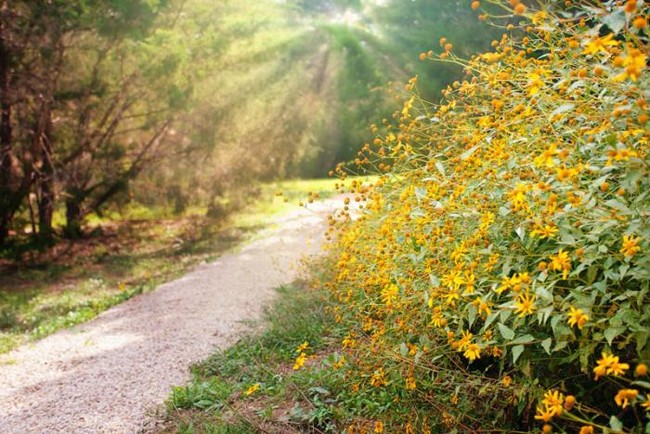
{"x": 125, "y": 255}
{"x": 252, "y": 387}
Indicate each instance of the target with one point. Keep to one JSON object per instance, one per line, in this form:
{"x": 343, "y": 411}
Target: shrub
{"x": 499, "y": 276}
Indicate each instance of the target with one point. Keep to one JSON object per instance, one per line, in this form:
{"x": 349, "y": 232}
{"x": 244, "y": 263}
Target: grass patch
{"x": 73, "y": 282}
{"x": 252, "y": 387}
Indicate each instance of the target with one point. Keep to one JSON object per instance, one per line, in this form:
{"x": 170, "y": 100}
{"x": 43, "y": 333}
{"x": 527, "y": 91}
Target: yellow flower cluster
{"x": 509, "y": 225}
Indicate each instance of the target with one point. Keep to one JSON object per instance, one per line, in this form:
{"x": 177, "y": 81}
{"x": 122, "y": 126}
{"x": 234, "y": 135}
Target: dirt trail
{"x": 106, "y": 376}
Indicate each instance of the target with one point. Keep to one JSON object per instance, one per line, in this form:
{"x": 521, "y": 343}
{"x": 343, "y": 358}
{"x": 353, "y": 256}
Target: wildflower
{"x": 561, "y": 262}
{"x": 379, "y": 427}
{"x": 617, "y": 369}
{"x": 378, "y": 378}
{"x": 577, "y": 317}
{"x": 641, "y": 370}
{"x": 525, "y": 304}
{"x": 349, "y": 342}
{"x": 389, "y": 295}
{"x": 254, "y": 388}
{"x": 569, "y": 402}
{"x": 640, "y": 22}
{"x": 609, "y": 365}
{"x": 546, "y": 158}
{"x": 587, "y": 429}
{"x": 472, "y": 352}
{"x": 553, "y": 400}
{"x": 624, "y": 396}
{"x": 634, "y": 64}
{"x": 544, "y": 231}
{"x": 410, "y": 383}
{"x": 300, "y": 361}
{"x": 600, "y": 44}
{"x": 339, "y": 363}
{"x": 630, "y": 245}
{"x": 464, "y": 342}
{"x": 566, "y": 173}
{"x": 506, "y": 380}
{"x": 302, "y": 347}
{"x": 544, "y": 414}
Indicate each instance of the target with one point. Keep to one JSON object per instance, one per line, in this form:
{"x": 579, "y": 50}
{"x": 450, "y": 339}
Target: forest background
{"x": 111, "y": 105}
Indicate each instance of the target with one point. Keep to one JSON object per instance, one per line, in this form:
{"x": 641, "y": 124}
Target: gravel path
{"x": 107, "y": 375}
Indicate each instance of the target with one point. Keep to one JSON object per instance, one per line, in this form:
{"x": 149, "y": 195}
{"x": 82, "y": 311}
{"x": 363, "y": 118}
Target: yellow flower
{"x": 254, "y": 388}
{"x": 472, "y": 352}
{"x": 525, "y": 304}
{"x": 544, "y": 231}
{"x": 379, "y": 427}
{"x": 378, "y": 378}
{"x": 302, "y": 347}
{"x": 506, "y": 381}
{"x": 561, "y": 262}
{"x": 535, "y": 83}
{"x": 554, "y": 400}
{"x": 544, "y": 414}
{"x": 634, "y": 64}
{"x": 624, "y": 396}
{"x": 410, "y": 383}
{"x": 300, "y": 361}
{"x": 609, "y": 365}
{"x": 577, "y": 317}
{"x": 630, "y": 245}
{"x": 617, "y": 369}
{"x": 600, "y": 44}
{"x": 546, "y": 158}
{"x": 389, "y": 295}
{"x": 641, "y": 370}
{"x": 465, "y": 341}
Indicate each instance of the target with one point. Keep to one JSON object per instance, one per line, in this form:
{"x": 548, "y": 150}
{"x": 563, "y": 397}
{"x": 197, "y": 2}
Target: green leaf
{"x": 612, "y": 332}
{"x": 516, "y": 352}
{"x": 615, "y": 424}
{"x": 641, "y": 339}
{"x": 562, "y": 109}
{"x": 546, "y": 344}
{"x": 521, "y": 232}
{"x": 471, "y": 315}
{"x": 525, "y": 339}
{"x": 465, "y": 155}
{"x": 615, "y": 21}
{"x": 642, "y": 384}
{"x": 506, "y": 332}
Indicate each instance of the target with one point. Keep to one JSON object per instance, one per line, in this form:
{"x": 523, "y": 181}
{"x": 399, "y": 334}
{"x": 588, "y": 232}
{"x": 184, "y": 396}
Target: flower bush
{"x": 498, "y": 277}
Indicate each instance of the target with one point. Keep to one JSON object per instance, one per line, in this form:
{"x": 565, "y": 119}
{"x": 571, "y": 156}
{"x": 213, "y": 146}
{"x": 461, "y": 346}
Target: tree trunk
{"x": 46, "y": 175}
{"x": 73, "y": 217}
{"x": 6, "y": 212}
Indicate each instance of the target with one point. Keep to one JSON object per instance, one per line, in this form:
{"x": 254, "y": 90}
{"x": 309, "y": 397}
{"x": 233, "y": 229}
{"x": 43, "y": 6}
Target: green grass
{"x": 215, "y": 401}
